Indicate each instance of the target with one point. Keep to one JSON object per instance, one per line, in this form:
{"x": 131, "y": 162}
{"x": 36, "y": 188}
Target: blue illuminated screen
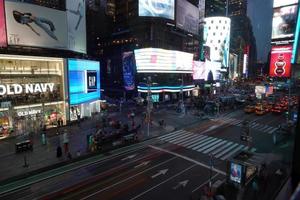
{"x": 157, "y": 8}
{"x": 84, "y": 81}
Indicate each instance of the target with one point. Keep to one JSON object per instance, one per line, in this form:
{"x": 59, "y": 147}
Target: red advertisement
{"x": 280, "y": 65}
{"x": 3, "y": 40}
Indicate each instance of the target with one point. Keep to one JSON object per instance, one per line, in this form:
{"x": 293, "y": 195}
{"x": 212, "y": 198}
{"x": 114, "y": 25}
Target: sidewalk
{"x": 45, "y": 155}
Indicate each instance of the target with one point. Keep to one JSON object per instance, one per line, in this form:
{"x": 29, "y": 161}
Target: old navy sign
{"x": 12, "y": 89}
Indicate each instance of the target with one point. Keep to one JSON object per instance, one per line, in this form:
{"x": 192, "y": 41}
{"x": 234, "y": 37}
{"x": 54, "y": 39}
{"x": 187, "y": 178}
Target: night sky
{"x": 260, "y": 13}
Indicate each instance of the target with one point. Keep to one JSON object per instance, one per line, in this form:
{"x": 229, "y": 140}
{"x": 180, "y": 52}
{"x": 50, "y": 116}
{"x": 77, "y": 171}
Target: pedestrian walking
{"x": 66, "y": 141}
{"x": 44, "y": 139}
{"x": 58, "y": 152}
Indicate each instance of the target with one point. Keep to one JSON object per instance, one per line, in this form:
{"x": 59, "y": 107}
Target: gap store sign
{"x": 84, "y": 81}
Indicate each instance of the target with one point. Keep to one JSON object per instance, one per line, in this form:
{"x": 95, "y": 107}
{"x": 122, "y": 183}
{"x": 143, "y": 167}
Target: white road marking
{"x": 205, "y": 143}
{"x": 232, "y": 152}
{"x": 206, "y": 182}
{"x": 209, "y": 145}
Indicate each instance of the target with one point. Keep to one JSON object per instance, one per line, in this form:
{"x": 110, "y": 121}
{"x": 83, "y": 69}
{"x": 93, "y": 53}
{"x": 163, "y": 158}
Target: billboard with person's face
{"x": 187, "y": 16}
{"x": 3, "y": 41}
{"x": 76, "y": 25}
{"x": 284, "y": 22}
{"x": 157, "y": 8}
{"x": 280, "y": 64}
{"x": 33, "y": 25}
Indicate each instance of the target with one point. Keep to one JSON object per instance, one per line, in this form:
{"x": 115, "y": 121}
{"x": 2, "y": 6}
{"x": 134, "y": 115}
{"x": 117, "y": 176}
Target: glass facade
{"x": 31, "y": 94}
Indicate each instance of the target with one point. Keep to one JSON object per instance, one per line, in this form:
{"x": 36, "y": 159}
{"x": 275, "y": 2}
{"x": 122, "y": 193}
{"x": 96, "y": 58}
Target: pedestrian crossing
{"x": 217, "y": 147}
{"x": 253, "y": 125}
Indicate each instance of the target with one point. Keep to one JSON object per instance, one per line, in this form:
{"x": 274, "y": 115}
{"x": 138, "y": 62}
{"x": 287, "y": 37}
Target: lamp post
{"x": 149, "y": 102}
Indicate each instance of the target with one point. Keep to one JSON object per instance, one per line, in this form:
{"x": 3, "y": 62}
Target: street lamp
{"x": 149, "y": 104}
{"x": 181, "y": 92}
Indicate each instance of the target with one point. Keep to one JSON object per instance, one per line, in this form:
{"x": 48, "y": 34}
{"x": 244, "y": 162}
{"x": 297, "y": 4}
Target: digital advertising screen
{"x": 128, "y": 70}
{"x": 280, "y": 64}
{"x": 3, "y": 40}
{"x": 154, "y": 60}
{"x": 187, "y": 16}
{"x": 199, "y": 70}
{"x": 84, "y": 81}
{"x": 280, "y": 3}
{"x": 76, "y": 25}
{"x": 157, "y": 8}
{"x": 284, "y": 22}
{"x": 235, "y": 173}
{"x": 212, "y": 71}
{"x": 216, "y": 36}
{"x": 33, "y": 25}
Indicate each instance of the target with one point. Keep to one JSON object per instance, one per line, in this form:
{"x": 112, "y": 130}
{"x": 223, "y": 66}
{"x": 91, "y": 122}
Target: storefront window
{"x": 33, "y": 89}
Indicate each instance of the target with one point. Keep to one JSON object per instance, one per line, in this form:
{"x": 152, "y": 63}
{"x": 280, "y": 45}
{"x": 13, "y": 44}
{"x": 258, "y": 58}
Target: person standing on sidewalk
{"x": 66, "y": 141}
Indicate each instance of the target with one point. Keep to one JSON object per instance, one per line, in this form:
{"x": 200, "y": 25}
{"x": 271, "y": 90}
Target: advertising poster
{"x": 154, "y": 60}
{"x": 198, "y": 70}
{"x": 235, "y": 173}
{"x": 76, "y": 25}
{"x": 284, "y": 22}
{"x": 32, "y": 25}
{"x": 217, "y": 39}
{"x": 280, "y": 3}
{"x": 157, "y": 8}
{"x": 187, "y": 16}
{"x": 280, "y": 64}
{"x": 3, "y": 40}
{"x": 128, "y": 70}
{"x": 84, "y": 81}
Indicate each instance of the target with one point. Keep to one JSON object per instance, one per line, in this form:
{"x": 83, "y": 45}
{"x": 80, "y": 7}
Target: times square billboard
{"x": 38, "y": 26}
{"x": 280, "y": 64}
{"x": 157, "y": 8}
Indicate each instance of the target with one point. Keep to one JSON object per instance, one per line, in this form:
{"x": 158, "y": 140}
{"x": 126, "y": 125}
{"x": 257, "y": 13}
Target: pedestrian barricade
{"x": 24, "y": 146}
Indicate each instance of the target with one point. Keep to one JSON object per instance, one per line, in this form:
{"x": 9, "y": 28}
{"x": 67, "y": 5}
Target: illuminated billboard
{"x": 157, "y": 8}
{"x": 84, "y": 81}
{"x": 217, "y": 39}
{"x": 3, "y": 41}
{"x": 76, "y": 25}
{"x": 199, "y": 70}
{"x": 280, "y": 64}
{"x": 33, "y": 25}
{"x": 128, "y": 70}
{"x": 187, "y": 16}
{"x": 284, "y": 22}
{"x": 154, "y": 60}
{"x": 280, "y": 3}
{"x": 212, "y": 71}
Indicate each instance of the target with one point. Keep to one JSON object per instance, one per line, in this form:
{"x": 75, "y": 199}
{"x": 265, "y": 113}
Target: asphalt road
{"x": 173, "y": 166}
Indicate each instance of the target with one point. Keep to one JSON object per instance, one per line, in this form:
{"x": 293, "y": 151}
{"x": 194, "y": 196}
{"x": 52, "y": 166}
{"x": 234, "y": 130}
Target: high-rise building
{"x": 215, "y": 8}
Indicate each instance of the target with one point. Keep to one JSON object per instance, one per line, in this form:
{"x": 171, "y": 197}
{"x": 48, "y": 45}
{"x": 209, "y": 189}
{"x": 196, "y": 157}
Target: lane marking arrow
{"x": 181, "y": 184}
{"x": 128, "y": 157}
{"x": 142, "y": 164}
{"x": 161, "y": 172}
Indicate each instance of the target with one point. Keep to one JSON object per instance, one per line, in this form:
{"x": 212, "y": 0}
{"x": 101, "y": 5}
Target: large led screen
{"x": 128, "y": 70}
{"x": 84, "y": 81}
{"x": 212, "y": 71}
{"x": 76, "y": 25}
{"x": 217, "y": 39}
{"x": 3, "y": 41}
{"x": 187, "y": 16}
{"x": 33, "y": 25}
{"x": 280, "y": 3}
{"x": 157, "y": 8}
{"x": 199, "y": 70}
{"x": 284, "y": 22}
{"x": 153, "y": 60}
{"x": 280, "y": 64}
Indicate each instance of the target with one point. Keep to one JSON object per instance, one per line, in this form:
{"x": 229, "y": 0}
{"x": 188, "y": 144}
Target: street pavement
{"x": 173, "y": 165}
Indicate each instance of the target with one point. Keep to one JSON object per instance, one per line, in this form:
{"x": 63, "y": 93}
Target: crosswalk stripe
{"x": 196, "y": 136}
{"x": 255, "y": 124}
{"x": 221, "y": 148}
{"x": 237, "y": 122}
{"x": 253, "y": 150}
{"x": 195, "y": 141}
{"x": 214, "y": 147}
{"x": 272, "y": 130}
{"x": 209, "y": 145}
{"x": 232, "y": 152}
{"x": 226, "y": 150}
{"x": 264, "y": 128}
{"x": 184, "y": 138}
{"x": 245, "y": 148}
{"x": 199, "y": 142}
{"x": 268, "y": 129}
{"x": 170, "y": 134}
{"x": 205, "y": 143}
{"x": 175, "y": 135}
{"x": 178, "y": 137}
